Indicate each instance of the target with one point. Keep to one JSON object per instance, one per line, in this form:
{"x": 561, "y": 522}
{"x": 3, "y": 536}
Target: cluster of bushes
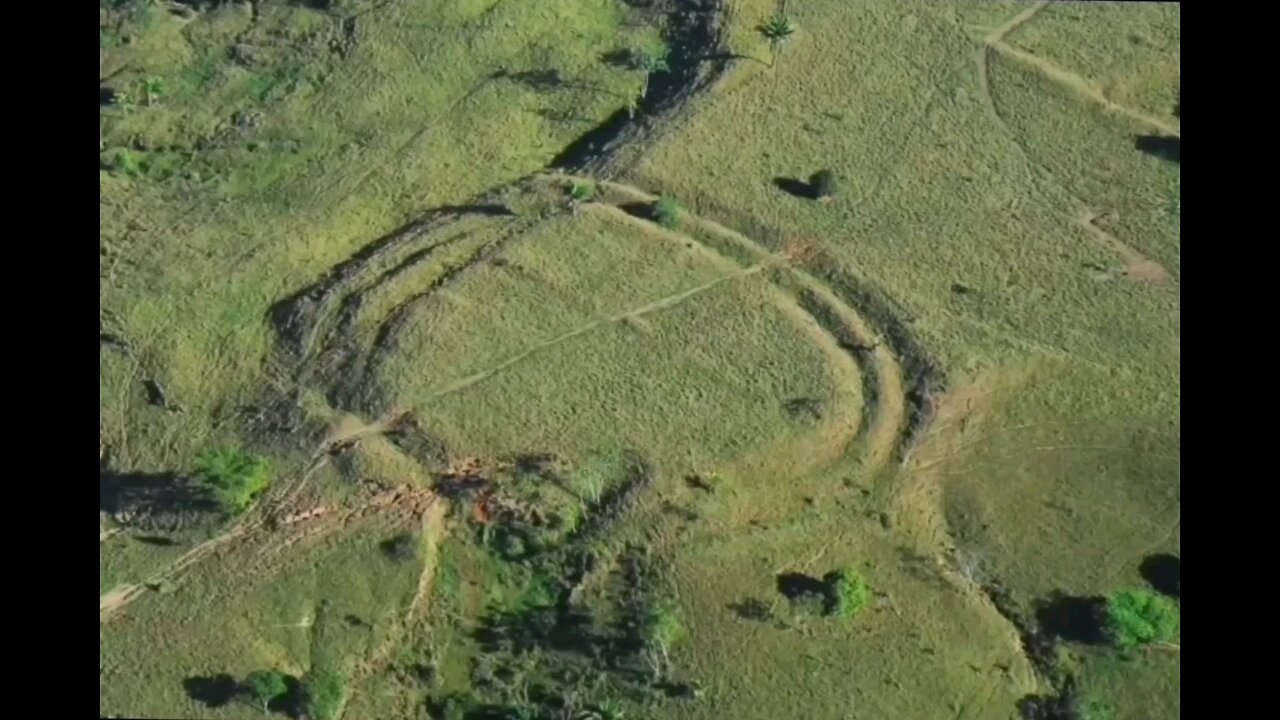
{"x": 841, "y": 593}
{"x": 319, "y": 694}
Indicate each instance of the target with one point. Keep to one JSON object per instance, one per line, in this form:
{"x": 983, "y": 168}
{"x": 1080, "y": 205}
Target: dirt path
{"x": 889, "y": 414}
{"x": 664, "y": 303}
{"x": 1001, "y": 31}
{"x": 1081, "y": 86}
{"x": 1138, "y": 267}
{"x": 252, "y": 521}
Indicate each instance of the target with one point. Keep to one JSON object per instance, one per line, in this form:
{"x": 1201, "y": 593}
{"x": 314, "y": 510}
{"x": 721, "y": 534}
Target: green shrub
{"x": 847, "y": 592}
{"x": 661, "y": 628}
{"x": 264, "y": 686}
{"x": 233, "y": 477}
{"x": 1138, "y": 617}
{"x": 582, "y": 191}
{"x": 825, "y": 184}
{"x": 666, "y": 212}
{"x": 323, "y": 693}
{"x": 123, "y": 160}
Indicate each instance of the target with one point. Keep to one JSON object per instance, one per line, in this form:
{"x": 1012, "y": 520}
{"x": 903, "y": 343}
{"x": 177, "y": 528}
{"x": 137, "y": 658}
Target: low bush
{"x": 847, "y": 592}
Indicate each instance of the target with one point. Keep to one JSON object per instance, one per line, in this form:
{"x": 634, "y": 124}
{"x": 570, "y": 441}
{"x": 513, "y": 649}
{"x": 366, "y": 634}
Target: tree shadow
{"x": 536, "y": 463}
{"x": 489, "y": 210}
{"x": 157, "y": 540}
{"x": 1072, "y": 618}
{"x": 620, "y": 58}
{"x": 1163, "y": 572}
{"x": 155, "y": 495}
{"x": 795, "y": 586}
{"x": 290, "y": 703}
{"x": 798, "y": 188}
{"x": 1161, "y": 146}
{"x": 538, "y": 80}
{"x": 212, "y": 691}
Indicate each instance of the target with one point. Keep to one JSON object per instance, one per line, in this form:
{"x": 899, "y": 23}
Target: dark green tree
{"x": 825, "y": 184}
{"x": 323, "y": 694}
{"x": 264, "y": 686}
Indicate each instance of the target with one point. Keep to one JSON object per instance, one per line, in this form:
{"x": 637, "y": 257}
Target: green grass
{"x": 233, "y": 617}
{"x": 1131, "y": 51}
{"x": 939, "y": 194}
{"x": 1053, "y": 457}
{"x": 319, "y": 164}
{"x": 565, "y": 373}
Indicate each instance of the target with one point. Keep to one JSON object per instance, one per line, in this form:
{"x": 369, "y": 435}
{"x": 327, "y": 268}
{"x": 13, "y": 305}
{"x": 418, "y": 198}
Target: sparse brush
{"x": 582, "y": 191}
{"x": 152, "y": 88}
{"x": 666, "y": 212}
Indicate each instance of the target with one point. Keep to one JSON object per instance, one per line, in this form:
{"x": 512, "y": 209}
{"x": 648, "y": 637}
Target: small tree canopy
{"x": 847, "y": 592}
{"x": 233, "y": 477}
{"x": 662, "y": 626}
{"x": 323, "y": 693}
{"x": 825, "y": 184}
{"x": 263, "y": 686}
{"x": 1138, "y": 617}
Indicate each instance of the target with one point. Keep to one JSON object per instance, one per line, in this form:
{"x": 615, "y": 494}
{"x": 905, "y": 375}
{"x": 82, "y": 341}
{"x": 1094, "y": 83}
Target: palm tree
{"x": 777, "y": 31}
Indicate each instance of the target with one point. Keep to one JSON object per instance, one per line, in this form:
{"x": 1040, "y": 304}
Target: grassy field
{"x": 966, "y": 210}
{"x": 325, "y": 238}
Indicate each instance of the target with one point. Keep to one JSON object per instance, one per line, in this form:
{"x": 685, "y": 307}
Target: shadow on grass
{"x": 150, "y": 494}
{"x": 798, "y": 188}
{"x": 795, "y": 586}
{"x": 1161, "y": 146}
{"x": 212, "y": 691}
{"x": 1163, "y": 572}
{"x": 1071, "y": 618}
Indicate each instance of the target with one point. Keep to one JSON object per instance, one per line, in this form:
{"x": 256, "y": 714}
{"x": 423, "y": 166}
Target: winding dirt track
{"x": 1138, "y": 266}
{"x": 253, "y": 520}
